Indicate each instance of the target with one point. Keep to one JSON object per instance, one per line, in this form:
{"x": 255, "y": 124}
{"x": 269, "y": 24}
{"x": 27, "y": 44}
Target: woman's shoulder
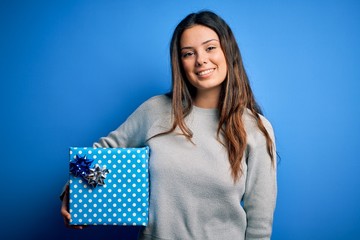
{"x": 162, "y": 99}
{"x": 251, "y": 127}
{"x": 249, "y": 118}
{"x": 154, "y": 113}
{"x": 154, "y": 107}
{"x": 157, "y": 103}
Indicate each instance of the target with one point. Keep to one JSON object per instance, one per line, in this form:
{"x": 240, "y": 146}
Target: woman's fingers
{"x": 65, "y": 205}
{"x": 65, "y": 211}
{"x": 66, "y": 215}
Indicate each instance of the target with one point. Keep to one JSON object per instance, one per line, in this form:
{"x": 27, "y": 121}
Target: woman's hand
{"x": 65, "y": 210}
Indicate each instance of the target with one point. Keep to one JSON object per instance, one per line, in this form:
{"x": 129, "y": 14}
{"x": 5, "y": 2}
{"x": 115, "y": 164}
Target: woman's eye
{"x": 187, "y": 54}
{"x": 210, "y": 48}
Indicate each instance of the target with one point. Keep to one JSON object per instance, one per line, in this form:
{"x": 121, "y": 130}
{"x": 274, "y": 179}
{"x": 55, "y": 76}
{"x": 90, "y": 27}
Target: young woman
{"x": 213, "y": 161}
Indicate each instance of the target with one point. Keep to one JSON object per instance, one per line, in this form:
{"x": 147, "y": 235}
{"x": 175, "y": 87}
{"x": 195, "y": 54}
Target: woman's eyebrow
{"x": 207, "y": 41}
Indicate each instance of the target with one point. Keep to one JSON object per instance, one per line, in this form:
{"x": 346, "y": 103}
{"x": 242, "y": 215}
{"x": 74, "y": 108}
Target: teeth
{"x": 205, "y": 72}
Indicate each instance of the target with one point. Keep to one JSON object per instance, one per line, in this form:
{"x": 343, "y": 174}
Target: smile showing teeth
{"x": 205, "y": 72}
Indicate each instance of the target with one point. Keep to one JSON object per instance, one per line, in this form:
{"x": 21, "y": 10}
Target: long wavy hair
{"x": 235, "y": 96}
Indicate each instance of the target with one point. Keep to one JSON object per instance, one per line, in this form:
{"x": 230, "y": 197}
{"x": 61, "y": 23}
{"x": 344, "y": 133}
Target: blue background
{"x": 72, "y": 71}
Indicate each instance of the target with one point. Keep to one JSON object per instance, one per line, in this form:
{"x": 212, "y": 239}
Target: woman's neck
{"x": 207, "y": 99}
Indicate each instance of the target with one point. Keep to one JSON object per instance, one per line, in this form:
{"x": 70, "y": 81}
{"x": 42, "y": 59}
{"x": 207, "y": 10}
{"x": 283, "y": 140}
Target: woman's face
{"x": 202, "y": 58}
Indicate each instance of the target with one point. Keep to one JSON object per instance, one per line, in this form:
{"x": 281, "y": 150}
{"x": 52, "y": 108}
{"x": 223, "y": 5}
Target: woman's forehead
{"x": 197, "y": 35}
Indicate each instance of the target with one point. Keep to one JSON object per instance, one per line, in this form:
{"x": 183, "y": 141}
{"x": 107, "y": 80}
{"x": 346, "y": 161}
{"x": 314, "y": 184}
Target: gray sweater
{"x": 192, "y": 193}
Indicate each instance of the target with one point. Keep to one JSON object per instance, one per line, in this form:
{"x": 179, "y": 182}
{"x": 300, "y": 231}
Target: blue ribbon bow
{"x": 80, "y": 167}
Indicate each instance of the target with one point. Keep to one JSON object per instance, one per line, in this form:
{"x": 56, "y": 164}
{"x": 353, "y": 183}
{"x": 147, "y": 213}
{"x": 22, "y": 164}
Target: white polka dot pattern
{"x": 123, "y": 200}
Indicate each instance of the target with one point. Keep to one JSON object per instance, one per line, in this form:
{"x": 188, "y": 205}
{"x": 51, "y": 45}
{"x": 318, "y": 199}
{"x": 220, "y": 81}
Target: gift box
{"x": 109, "y": 186}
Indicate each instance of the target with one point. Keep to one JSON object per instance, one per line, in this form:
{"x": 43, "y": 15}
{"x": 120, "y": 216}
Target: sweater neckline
{"x": 205, "y": 111}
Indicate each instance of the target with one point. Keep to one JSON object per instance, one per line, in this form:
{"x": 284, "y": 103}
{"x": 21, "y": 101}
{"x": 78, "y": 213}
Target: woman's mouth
{"x": 205, "y": 72}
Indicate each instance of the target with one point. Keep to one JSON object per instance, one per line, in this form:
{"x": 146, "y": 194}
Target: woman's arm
{"x": 132, "y": 133}
{"x": 261, "y": 187}
{"x": 129, "y": 134}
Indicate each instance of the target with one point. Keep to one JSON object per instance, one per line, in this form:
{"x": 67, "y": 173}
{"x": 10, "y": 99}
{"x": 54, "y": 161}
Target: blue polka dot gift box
{"x": 109, "y": 186}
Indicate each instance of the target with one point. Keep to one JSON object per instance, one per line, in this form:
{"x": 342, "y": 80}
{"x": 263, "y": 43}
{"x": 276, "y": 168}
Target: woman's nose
{"x": 201, "y": 59}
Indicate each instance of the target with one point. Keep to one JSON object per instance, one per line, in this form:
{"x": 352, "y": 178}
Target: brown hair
{"x": 235, "y": 96}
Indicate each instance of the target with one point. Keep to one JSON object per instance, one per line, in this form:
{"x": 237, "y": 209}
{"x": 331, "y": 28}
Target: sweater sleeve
{"x": 132, "y": 133}
{"x": 129, "y": 134}
{"x": 261, "y": 187}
